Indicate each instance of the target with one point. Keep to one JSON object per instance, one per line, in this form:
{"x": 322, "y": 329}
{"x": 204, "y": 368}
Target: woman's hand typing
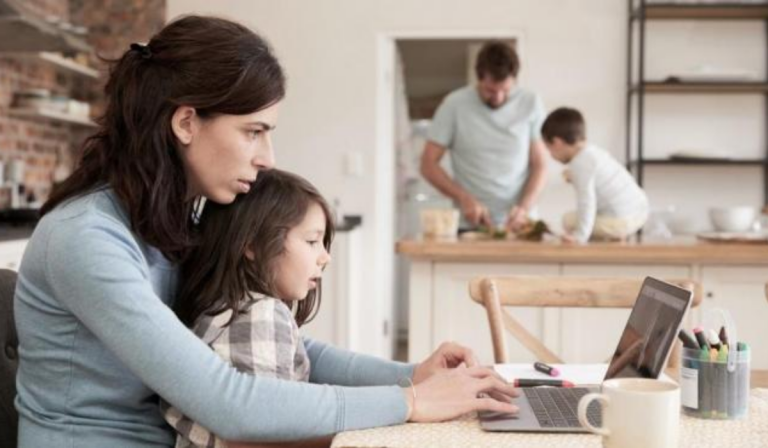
{"x": 450, "y": 393}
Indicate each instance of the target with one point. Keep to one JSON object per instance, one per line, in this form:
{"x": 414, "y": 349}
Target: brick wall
{"x": 112, "y": 25}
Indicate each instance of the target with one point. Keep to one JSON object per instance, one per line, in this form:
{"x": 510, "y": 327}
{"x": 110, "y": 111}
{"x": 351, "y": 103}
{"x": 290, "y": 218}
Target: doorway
{"x": 417, "y": 72}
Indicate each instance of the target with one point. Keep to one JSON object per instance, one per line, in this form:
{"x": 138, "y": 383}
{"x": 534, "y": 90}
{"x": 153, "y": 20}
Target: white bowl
{"x": 733, "y": 219}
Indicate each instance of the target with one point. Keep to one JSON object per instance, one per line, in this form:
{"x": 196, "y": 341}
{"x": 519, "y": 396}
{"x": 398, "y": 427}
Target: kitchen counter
{"x": 15, "y": 233}
{"x": 733, "y": 276}
{"x": 675, "y": 251}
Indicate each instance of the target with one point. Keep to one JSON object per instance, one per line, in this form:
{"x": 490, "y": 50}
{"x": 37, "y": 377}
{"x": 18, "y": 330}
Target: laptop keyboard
{"x": 556, "y": 407}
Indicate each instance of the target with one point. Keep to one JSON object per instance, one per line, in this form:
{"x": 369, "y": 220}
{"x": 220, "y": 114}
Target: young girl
{"x": 256, "y": 259}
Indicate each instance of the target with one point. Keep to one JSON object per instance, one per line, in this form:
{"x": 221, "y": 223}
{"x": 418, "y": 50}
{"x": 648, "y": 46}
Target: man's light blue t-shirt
{"x": 489, "y": 148}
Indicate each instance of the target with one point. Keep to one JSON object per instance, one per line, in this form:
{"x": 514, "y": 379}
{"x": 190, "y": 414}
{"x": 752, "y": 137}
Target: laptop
{"x": 642, "y": 352}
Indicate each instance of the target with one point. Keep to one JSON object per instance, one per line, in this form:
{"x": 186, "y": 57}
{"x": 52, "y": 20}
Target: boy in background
{"x": 610, "y": 204}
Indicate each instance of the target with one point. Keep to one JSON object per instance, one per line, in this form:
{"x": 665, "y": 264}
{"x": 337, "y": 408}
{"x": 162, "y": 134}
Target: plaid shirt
{"x": 262, "y": 340}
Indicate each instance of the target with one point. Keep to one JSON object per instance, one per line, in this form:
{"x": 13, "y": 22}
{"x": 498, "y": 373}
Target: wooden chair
{"x": 528, "y": 291}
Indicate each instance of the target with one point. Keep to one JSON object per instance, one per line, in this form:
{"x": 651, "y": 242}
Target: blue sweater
{"x": 98, "y": 343}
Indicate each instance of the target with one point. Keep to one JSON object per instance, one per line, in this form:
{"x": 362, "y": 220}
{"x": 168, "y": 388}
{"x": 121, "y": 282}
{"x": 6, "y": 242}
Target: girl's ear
{"x": 183, "y": 123}
{"x": 249, "y": 254}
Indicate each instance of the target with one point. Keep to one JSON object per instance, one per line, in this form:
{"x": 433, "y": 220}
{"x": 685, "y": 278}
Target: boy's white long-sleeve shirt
{"x": 603, "y": 187}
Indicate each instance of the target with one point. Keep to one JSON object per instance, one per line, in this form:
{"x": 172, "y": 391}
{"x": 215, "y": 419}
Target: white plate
{"x": 734, "y": 237}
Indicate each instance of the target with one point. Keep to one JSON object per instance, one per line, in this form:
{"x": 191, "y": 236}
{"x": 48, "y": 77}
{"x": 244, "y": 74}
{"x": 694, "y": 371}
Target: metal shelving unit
{"x": 641, "y": 11}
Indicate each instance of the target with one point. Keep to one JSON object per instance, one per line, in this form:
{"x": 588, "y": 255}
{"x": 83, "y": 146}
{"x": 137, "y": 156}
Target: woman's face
{"x": 302, "y": 262}
{"x": 223, "y": 155}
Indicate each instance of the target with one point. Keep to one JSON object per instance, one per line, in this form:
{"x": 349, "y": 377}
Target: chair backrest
{"x": 9, "y": 360}
{"x": 493, "y": 293}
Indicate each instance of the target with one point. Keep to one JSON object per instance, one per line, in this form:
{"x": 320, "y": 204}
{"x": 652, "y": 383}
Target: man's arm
{"x": 537, "y": 177}
{"x": 436, "y": 175}
{"x": 474, "y": 211}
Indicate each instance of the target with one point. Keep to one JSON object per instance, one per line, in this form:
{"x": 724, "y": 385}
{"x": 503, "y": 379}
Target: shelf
{"x": 711, "y": 11}
{"x": 63, "y": 64}
{"x": 703, "y": 87}
{"x": 48, "y": 114}
{"x": 21, "y": 32}
{"x": 702, "y": 162}
{"x": 69, "y": 65}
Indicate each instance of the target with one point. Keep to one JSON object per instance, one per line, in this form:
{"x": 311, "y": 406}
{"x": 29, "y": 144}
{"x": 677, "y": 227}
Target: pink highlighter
{"x": 543, "y": 368}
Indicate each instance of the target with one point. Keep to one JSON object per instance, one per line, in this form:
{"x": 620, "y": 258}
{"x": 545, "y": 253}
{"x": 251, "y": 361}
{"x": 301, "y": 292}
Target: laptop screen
{"x": 650, "y": 332}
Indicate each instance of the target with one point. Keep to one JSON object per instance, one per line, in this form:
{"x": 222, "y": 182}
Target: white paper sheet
{"x": 578, "y": 374}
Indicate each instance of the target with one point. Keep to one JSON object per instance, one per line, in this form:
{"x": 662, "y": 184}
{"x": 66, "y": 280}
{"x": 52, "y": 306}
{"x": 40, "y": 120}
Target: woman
{"x": 189, "y": 115}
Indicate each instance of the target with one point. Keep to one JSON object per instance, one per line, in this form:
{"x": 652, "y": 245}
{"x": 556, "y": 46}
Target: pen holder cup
{"x": 714, "y": 389}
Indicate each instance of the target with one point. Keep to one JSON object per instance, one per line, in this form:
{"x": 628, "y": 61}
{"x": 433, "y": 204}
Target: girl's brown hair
{"x": 213, "y": 65}
{"x": 217, "y": 275}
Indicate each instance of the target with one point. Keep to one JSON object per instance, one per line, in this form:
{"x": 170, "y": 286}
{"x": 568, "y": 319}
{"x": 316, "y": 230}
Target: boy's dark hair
{"x": 566, "y": 124}
{"x": 497, "y": 60}
{"x": 217, "y": 275}
{"x": 213, "y": 65}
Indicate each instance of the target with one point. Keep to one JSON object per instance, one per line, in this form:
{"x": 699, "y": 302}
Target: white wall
{"x": 574, "y": 53}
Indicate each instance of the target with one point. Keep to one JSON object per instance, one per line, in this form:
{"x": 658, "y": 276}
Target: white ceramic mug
{"x": 637, "y": 413}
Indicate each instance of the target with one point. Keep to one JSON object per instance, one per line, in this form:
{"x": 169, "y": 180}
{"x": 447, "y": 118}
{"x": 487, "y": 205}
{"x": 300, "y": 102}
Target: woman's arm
{"x": 96, "y": 269}
{"x": 331, "y": 365}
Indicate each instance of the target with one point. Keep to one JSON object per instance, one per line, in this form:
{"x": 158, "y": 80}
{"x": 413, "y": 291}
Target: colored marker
{"x": 720, "y": 384}
{"x": 699, "y": 333}
{"x": 722, "y": 355}
{"x": 713, "y": 339}
{"x": 688, "y": 341}
{"x": 723, "y": 336}
{"x": 544, "y": 368}
{"x": 705, "y": 378}
{"x": 537, "y": 382}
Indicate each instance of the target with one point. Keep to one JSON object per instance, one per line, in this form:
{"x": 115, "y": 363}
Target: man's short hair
{"x": 498, "y": 60}
{"x": 565, "y": 123}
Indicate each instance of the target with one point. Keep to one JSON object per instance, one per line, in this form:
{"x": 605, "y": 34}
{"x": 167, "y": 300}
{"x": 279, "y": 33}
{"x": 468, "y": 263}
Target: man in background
{"x": 493, "y": 132}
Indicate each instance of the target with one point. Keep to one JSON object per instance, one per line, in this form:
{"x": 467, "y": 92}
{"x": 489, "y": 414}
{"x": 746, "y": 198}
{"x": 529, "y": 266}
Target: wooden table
{"x": 751, "y": 431}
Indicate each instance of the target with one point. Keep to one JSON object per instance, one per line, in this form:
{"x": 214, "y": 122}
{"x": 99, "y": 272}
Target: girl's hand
{"x": 448, "y": 356}
{"x": 449, "y": 394}
{"x": 568, "y": 239}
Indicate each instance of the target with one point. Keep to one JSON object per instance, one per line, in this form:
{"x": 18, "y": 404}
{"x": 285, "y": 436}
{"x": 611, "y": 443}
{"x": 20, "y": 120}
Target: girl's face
{"x": 223, "y": 155}
{"x": 302, "y": 263}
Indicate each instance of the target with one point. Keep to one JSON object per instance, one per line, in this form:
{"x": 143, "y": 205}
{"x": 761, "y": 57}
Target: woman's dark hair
{"x": 566, "y": 124}
{"x": 497, "y": 60}
{"x": 213, "y": 65}
{"x": 217, "y": 275}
